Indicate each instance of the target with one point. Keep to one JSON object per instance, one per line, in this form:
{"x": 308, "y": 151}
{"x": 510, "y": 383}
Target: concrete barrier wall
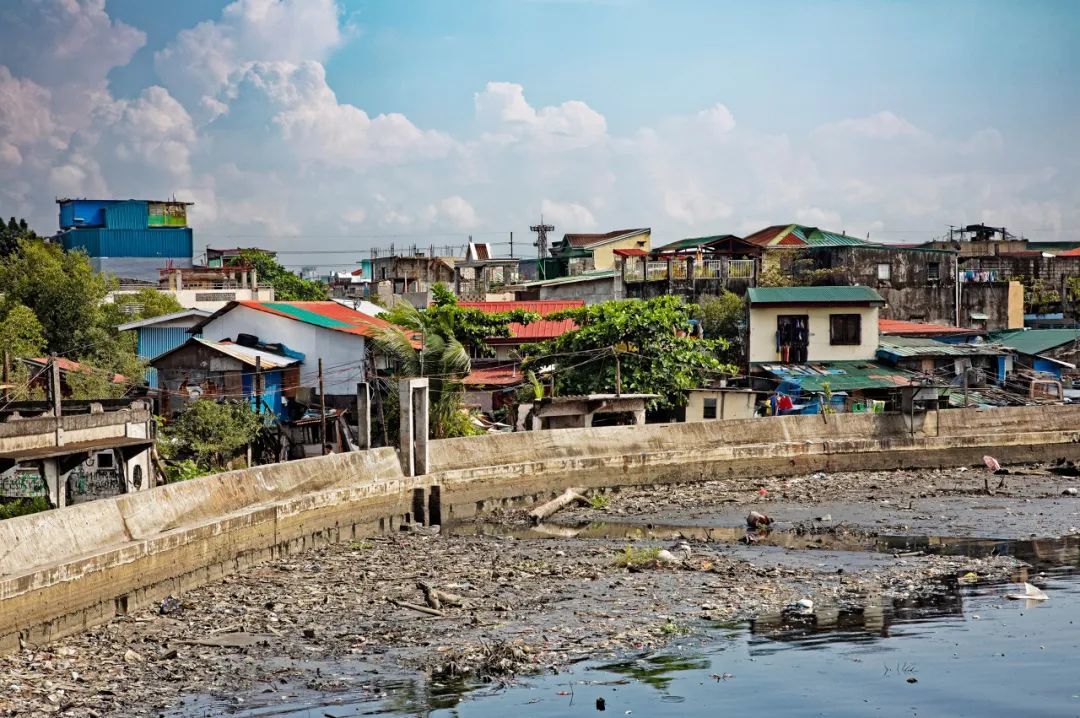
{"x": 64, "y": 570}
{"x": 502, "y": 449}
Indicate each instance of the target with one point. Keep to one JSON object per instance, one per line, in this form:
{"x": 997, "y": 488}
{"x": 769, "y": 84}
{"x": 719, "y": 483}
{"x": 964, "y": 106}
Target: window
{"x": 933, "y": 271}
{"x": 884, "y": 272}
{"x": 708, "y": 410}
{"x": 845, "y": 329}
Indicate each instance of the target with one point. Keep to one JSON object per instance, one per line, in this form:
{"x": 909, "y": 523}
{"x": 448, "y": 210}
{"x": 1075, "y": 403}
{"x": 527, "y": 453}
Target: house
{"x": 900, "y": 328}
{"x": 591, "y": 287}
{"x": 68, "y": 368}
{"x": 692, "y": 267}
{"x": 157, "y": 335}
{"x": 266, "y": 376}
{"x": 951, "y": 363}
{"x": 508, "y": 348}
{"x": 582, "y": 411}
{"x": 325, "y": 332}
{"x": 489, "y": 388}
{"x": 718, "y": 403}
{"x": 585, "y": 252}
{"x": 1054, "y": 351}
{"x": 410, "y": 276}
{"x": 482, "y": 274}
{"x": 130, "y": 239}
{"x": 233, "y": 256}
{"x": 812, "y": 324}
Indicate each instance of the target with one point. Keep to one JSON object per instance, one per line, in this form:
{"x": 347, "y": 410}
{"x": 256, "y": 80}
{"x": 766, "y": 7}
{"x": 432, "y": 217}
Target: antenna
{"x": 541, "y": 243}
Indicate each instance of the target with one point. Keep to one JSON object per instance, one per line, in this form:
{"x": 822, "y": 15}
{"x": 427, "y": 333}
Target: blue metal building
{"x": 131, "y": 239}
{"x": 161, "y": 334}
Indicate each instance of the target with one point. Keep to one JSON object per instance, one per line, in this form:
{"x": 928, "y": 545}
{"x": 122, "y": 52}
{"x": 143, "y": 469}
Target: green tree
{"x": 288, "y": 287}
{"x": 21, "y": 336}
{"x": 12, "y": 233}
{"x": 210, "y": 433}
{"x": 62, "y": 290}
{"x": 422, "y": 343}
{"x": 645, "y": 341}
{"x": 724, "y": 317}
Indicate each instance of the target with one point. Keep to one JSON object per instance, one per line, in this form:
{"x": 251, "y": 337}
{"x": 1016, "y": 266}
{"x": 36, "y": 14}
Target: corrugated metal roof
{"x": 328, "y": 315}
{"x": 505, "y": 375}
{"x": 586, "y": 277}
{"x": 814, "y": 295}
{"x": 896, "y": 347}
{"x": 898, "y": 327}
{"x": 692, "y": 243}
{"x": 840, "y": 375}
{"x": 542, "y": 307}
{"x": 164, "y": 319}
{"x": 247, "y": 355}
{"x": 1036, "y": 341}
{"x": 584, "y": 241}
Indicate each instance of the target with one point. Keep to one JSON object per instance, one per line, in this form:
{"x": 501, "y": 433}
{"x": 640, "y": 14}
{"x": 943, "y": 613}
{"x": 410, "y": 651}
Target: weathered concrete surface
{"x": 63, "y": 570}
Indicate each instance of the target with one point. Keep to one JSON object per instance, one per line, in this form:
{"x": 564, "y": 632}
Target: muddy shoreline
{"x": 326, "y": 621}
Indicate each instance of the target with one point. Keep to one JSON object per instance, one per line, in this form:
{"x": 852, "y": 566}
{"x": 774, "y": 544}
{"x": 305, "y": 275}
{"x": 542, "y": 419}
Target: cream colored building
{"x": 596, "y": 252}
{"x": 716, "y": 404}
{"x": 796, "y": 325}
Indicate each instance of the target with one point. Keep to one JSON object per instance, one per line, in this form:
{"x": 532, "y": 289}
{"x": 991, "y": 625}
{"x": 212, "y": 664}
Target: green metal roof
{"x": 585, "y": 277}
{"x": 691, "y": 243}
{"x": 814, "y": 295}
{"x": 840, "y": 375}
{"x": 1036, "y": 341}
{"x": 823, "y": 238}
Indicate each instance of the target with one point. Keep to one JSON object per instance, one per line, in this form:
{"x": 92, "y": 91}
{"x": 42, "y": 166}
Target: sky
{"x": 330, "y": 127}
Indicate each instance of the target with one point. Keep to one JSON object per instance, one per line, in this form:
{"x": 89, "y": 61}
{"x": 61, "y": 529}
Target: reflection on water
{"x": 656, "y": 671}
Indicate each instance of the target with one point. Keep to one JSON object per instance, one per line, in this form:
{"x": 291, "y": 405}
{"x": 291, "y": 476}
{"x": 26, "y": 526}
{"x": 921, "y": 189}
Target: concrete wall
{"x": 763, "y": 333}
{"x": 592, "y": 291}
{"x": 64, "y": 570}
{"x": 1001, "y": 302}
{"x": 730, "y": 404}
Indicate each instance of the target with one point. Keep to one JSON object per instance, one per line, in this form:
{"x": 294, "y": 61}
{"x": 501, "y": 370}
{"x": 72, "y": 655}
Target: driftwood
{"x": 437, "y": 598}
{"x": 417, "y": 607}
{"x": 561, "y": 501}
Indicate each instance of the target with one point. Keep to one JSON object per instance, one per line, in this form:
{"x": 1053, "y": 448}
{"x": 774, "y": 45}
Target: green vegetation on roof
{"x": 1036, "y": 341}
{"x": 829, "y": 295}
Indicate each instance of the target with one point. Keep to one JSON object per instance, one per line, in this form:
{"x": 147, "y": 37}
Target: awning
{"x": 78, "y": 447}
{"x": 839, "y": 375}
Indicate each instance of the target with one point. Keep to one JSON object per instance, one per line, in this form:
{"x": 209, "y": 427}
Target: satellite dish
{"x": 195, "y": 392}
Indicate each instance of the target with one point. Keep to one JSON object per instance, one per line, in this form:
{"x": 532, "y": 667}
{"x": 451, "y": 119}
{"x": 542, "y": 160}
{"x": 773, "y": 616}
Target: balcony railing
{"x": 719, "y": 269}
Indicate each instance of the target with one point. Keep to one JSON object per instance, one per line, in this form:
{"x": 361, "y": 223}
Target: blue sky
{"x": 341, "y": 125}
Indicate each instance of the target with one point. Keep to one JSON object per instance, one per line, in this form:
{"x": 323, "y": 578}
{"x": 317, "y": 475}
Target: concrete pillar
{"x": 413, "y": 425}
{"x": 55, "y": 481}
{"x": 639, "y": 417}
{"x": 363, "y": 416}
{"x": 586, "y": 419}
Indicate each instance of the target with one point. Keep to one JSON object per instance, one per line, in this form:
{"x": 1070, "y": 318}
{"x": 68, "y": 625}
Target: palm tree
{"x": 439, "y": 356}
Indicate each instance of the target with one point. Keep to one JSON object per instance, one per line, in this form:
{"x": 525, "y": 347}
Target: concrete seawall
{"x": 64, "y": 570}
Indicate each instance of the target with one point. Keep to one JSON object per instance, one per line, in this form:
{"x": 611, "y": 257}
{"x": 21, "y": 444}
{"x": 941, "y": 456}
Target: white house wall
{"x": 342, "y": 353}
{"x": 763, "y": 333}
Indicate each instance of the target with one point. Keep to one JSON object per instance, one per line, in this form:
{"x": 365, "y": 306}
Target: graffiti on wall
{"x": 22, "y": 482}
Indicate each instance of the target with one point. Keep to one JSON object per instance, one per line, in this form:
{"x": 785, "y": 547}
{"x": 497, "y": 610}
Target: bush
{"x": 22, "y": 507}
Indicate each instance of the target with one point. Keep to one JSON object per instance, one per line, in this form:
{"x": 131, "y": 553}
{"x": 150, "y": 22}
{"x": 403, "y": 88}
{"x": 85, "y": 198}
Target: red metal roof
{"x": 634, "y": 252}
{"x": 503, "y": 375}
{"x": 1070, "y": 253}
{"x": 899, "y": 327}
{"x": 584, "y": 240}
{"x": 73, "y": 366}
{"x": 534, "y": 331}
{"x": 541, "y": 307}
{"x": 764, "y": 236}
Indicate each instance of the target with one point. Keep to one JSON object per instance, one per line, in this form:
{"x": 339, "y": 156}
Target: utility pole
{"x": 7, "y": 376}
{"x": 618, "y": 374}
{"x": 258, "y": 384}
{"x": 541, "y": 242}
{"x": 322, "y": 409}
{"x": 511, "y": 244}
{"x": 55, "y": 393}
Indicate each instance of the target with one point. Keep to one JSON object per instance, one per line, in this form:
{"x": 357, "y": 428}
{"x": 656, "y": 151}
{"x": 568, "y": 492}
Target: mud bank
{"x": 330, "y": 621}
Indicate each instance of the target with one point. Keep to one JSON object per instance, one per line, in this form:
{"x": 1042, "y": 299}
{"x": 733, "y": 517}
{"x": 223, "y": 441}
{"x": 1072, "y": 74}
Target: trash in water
{"x": 1071, "y": 491}
{"x": 756, "y": 519}
{"x": 1031, "y": 593}
{"x": 169, "y": 604}
{"x": 991, "y": 463}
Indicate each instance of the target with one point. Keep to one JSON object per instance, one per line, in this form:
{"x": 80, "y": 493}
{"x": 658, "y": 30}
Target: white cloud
{"x": 459, "y": 213}
{"x": 507, "y": 117}
{"x": 200, "y": 62}
{"x": 571, "y": 216}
